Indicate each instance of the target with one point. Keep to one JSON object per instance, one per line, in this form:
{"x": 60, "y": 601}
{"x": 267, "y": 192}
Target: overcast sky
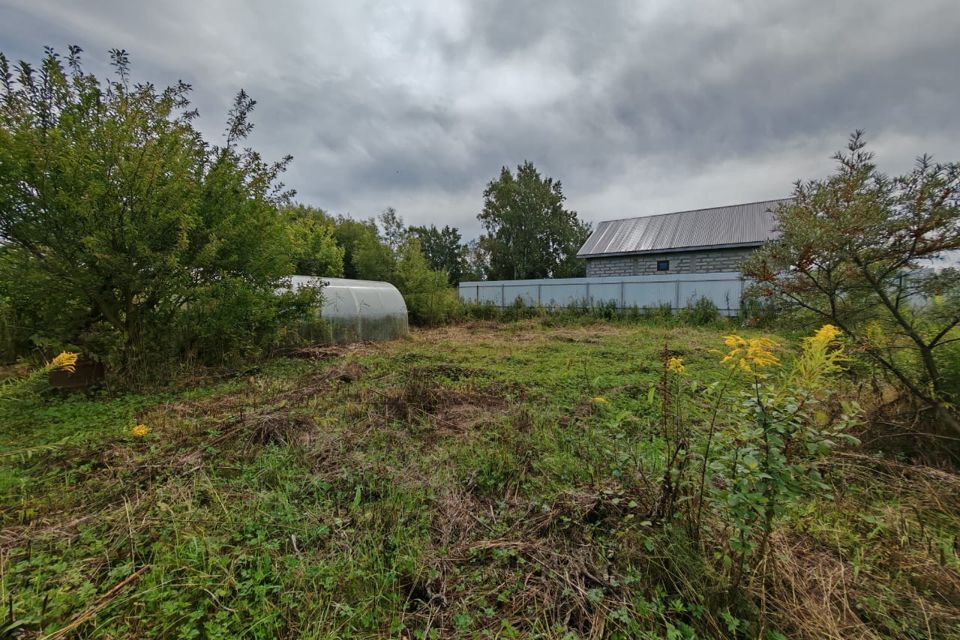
{"x": 637, "y": 107}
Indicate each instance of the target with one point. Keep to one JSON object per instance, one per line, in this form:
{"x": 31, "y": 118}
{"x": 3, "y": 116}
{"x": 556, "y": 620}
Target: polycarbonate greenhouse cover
{"x": 348, "y": 299}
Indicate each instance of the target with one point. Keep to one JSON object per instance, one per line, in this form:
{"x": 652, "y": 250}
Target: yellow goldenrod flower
{"x": 760, "y": 352}
{"x": 600, "y": 400}
{"x": 675, "y": 365}
{"x": 826, "y": 334}
{"x": 821, "y": 357}
{"x": 749, "y": 353}
{"x": 140, "y": 431}
{"x": 65, "y": 361}
{"x": 734, "y": 342}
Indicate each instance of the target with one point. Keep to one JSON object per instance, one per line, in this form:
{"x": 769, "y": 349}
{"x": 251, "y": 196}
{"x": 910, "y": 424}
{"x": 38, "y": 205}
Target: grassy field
{"x": 475, "y": 481}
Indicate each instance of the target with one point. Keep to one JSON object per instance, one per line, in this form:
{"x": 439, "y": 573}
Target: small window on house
{"x": 663, "y": 265}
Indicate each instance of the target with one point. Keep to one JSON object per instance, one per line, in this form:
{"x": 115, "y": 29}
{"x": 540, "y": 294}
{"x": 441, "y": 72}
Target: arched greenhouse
{"x": 356, "y": 310}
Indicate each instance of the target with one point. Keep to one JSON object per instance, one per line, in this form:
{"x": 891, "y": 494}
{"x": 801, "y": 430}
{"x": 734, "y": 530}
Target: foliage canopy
{"x": 443, "y": 249}
{"x": 529, "y": 233}
{"x": 125, "y": 221}
{"x": 861, "y": 251}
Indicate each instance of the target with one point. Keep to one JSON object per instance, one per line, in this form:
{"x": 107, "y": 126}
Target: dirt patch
{"x": 277, "y": 427}
{"x": 420, "y": 400}
{"x": 318, "y": 353}
{"x": 322, "y": 382}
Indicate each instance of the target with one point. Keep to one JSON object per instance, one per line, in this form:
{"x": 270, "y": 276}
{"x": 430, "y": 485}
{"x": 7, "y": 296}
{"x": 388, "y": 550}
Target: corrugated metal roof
{"x": 736, "y": 225}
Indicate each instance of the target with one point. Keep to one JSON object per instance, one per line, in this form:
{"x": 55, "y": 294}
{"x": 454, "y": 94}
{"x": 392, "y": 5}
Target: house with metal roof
{"x": 698, "y": 241}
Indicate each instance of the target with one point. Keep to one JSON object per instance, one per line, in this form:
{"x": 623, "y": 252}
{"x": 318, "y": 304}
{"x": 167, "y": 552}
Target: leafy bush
{"x": 767, "y": 434}
{"x": 123, "y": 225}
{"x": 232, "y": 322}
{"x": 699, "y": 313}
{"x": 857, "y": 250}
{"x": 606, "y": 310}
{"x": 430, "y": 298}
{"x": 757, "y": 311}
{"x": 314, "y": 249}
{"x": 481, "y": 311}
{"x": 661, "y": 314}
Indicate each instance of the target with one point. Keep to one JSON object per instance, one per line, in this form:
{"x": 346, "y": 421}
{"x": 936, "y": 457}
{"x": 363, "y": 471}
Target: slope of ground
{"x": 463, "y": 483}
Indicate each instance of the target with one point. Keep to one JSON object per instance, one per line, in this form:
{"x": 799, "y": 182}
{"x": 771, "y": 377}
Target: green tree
{"x": 395, "y": 256}
{"x": 365, "y": 255}
{"x": 529, "y": 234}
{"x": 857, "y": 250}
{"x": 476, "y": 261}
{"x": 443, "y": 249}
{"x": 113, "y": 205}
{"x": 393, "y": 232}
{"x": 314, "y": 249}
{"x": 429, "y": 297}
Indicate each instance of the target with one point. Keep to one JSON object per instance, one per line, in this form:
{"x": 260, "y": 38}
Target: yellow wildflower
{"x": 821, "y": 357}
{"x": 734, "y": 341}
{"x": 750, "y": 353}
{"x": 760, "y": 352}
{"x": 675, "y": 365}
{"x": 600, "y": 400}
{"x": 140, "y": 431}
{"x": 66, "y": 361}
{"x": 825, "y": 335}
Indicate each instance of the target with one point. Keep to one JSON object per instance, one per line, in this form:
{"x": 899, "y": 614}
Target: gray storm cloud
{"x": 637, "y": 107}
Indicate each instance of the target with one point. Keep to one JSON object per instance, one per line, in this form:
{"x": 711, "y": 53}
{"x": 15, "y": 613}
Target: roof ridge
{"x": 673, "y": 213}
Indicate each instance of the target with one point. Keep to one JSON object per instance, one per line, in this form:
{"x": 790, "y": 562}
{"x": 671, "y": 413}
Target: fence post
{"x": 623, "y": 302}
{"x": 676, "y": 296}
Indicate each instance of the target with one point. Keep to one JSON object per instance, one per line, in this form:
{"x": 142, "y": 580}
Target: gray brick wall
{"x": 709, "y": 261}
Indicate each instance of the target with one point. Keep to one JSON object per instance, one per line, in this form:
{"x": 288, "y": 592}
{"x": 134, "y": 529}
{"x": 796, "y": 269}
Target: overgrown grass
{"x": 463, "y": 483}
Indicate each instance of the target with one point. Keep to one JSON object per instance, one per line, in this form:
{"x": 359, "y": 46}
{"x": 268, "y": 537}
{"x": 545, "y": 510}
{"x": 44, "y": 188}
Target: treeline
{"x": 528, "y": 233}
{"x": 422, "y": 262}
{"x": 128, "y": 237}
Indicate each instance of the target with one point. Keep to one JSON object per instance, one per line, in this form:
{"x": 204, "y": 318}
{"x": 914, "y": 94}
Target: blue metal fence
{"x": 724, "y": 289}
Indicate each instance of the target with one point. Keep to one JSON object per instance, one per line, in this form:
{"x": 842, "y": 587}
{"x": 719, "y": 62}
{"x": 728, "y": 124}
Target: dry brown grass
{"x": 816, "y": 587}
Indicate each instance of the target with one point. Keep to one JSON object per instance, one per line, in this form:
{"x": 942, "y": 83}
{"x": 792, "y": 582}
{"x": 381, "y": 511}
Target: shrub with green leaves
{"x": 778, "y": 428}
{"x": 860, "y": 250}
{"x": 700, "y": 312}
{"x": 123, "y": 220}
{"x": 313, "y": 247}
{"x": 429, "y": 297}
{"x": 770, "y": 427}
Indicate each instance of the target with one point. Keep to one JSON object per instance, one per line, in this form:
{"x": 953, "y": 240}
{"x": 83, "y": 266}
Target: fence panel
{"x": 724, "y": 289}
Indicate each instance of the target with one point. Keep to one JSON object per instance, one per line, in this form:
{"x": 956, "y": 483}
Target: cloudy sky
{"x": 638, "y": 107}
